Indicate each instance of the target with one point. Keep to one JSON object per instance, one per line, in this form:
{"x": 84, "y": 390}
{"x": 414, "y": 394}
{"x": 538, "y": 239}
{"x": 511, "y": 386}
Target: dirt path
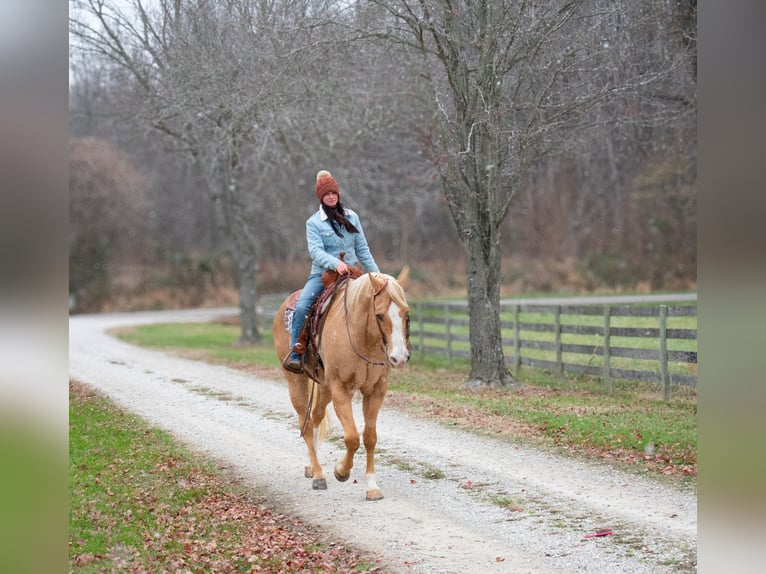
{"x": 454, "y": 502}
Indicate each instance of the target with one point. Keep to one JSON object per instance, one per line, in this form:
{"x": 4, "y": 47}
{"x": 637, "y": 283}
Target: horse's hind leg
{"x": 313, "y": 436}
{"x": 370, "y": 407}
{"x": 300, "y": 387}
{"x": 344, "y": 412}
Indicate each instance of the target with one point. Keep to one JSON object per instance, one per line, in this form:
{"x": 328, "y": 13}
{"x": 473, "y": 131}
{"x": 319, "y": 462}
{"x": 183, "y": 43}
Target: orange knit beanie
{"x": 325, "y": 184}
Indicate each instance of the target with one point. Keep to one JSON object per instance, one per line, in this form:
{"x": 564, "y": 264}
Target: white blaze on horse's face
{"x": 398, "y": 352}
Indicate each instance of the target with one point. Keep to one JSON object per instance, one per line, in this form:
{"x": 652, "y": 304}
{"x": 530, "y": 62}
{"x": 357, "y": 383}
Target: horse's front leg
{"x": 370, "y": 407}
{"x": 344, "y": 412}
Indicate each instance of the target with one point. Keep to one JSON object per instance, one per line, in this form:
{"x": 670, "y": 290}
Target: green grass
{"x": 629, "y": 424}
{"x": 602, "y": 421}
{"x": 216, "y": 339}
{"x": 139, "y": 502}
{"x": 127, "y": 483}
{"x": 511, "y": 504}
{"x": 433, "y": 473}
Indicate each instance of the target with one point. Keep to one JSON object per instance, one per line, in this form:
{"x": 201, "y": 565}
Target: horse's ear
{"x": 404, "y": 276}
{"x": 377, "y": 282}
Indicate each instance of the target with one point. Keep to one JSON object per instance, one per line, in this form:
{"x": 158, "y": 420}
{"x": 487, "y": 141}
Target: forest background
{"x": 196, "y": 130}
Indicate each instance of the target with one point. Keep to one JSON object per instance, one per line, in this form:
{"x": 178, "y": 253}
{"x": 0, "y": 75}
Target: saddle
{"x": 331, "y": 277}
{"x": 308, "y": 339}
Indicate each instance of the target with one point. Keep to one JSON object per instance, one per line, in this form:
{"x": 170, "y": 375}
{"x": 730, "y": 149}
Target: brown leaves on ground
{"x": 224, "y": 532}
{"x": 190, "y": 519}
{"x": 459, "y": 415}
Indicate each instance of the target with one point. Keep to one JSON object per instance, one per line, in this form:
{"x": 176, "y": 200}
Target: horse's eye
{"x": 379, "y": 317}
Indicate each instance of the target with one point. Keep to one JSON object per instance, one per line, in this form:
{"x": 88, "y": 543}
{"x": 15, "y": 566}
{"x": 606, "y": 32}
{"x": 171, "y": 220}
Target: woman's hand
{"x": 342, "y": 269}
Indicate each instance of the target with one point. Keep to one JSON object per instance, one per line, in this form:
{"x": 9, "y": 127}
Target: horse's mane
{"x": 356, "y": 287}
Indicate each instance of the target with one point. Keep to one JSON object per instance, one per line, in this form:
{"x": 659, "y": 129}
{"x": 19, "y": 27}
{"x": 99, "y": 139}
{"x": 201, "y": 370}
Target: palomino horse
{"x": 365, "y": 333}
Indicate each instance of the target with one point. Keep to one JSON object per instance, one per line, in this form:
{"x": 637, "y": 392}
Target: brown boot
{"x": 294, "y": 360}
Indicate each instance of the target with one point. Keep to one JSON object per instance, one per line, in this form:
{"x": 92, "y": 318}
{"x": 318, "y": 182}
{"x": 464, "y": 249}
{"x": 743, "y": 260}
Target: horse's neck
{"x": 357, "y": 301}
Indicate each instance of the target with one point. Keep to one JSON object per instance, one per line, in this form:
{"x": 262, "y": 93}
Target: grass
{"x": 138, "y": 502}
{"x": 506, "y": 502}
{"x": 219, "y": 340}
{"x": 630, "y": 425}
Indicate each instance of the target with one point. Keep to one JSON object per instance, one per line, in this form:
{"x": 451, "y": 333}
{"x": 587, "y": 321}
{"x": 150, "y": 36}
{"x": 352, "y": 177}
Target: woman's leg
{"x": 309, "y": 294}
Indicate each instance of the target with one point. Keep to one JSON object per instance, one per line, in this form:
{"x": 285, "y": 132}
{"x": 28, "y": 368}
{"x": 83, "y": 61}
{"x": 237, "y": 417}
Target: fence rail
{"x": 654, "y": 343}
{"x": 585, "y": 339}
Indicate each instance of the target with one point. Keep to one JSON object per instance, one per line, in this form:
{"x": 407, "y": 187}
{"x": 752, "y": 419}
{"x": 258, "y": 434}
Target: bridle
{"x": 384, "y": 341}
{"x": 383, "y": 338}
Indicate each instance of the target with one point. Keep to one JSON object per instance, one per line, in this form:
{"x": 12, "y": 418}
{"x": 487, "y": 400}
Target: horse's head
{"x": 392, "y": 315}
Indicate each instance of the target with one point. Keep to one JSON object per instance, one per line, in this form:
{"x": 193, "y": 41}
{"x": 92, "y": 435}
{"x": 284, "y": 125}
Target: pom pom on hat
{"x": 325, "y": 184}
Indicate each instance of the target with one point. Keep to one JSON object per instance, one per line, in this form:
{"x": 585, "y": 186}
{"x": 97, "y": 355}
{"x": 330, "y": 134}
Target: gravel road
{"x": 454, "y": 501}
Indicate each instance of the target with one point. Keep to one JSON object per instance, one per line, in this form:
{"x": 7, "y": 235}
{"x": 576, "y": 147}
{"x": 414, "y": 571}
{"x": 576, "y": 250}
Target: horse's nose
{"x": 397, "y": 361}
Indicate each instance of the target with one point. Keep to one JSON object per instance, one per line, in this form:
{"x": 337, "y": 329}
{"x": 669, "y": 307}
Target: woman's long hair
{"x": 338, "y": 219}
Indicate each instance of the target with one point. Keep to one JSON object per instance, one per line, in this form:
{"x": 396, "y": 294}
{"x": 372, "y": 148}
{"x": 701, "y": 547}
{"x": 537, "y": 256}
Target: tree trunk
{"x": 232, "y": 223}
{"x": 248, "y": 318}
{"x": 483, "y": 266}
{"x": 245, "y": 256}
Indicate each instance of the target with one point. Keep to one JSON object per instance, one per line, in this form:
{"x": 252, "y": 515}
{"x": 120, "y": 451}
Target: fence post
{"x": 448, "y": 331}
{"x": 421, "y": 337}
{"x": 664, "y": 352}
{"x": 607, "y": 365}
{"x": 557, "y": 329}
{"x": 516, "y": 340}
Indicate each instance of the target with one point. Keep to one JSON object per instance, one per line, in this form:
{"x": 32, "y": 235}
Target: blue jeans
{"x": 311, "y": 291}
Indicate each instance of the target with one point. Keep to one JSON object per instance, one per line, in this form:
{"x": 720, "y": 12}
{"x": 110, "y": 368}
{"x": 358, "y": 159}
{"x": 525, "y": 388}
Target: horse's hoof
{"x": 341, "y": 478}
{"x": 374, "y": 495}
{"x": 307, "y": 472}
{"x": 319, "y": 484}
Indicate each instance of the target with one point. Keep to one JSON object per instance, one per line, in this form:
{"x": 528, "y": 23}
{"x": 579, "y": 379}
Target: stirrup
{"x": 293, "y": 365}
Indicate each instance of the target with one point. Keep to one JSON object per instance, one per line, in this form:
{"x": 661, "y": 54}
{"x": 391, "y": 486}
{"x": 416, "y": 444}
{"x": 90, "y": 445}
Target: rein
{"x": 308, "y": 410}
{"x": 348, "y": 332}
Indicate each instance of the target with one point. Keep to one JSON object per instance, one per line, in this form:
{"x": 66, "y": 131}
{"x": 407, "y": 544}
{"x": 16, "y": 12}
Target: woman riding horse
{"x": 332, "y": 230}
{"x": 365, "y": 334}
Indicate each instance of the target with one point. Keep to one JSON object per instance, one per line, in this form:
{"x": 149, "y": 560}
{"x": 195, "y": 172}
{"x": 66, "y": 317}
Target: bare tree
{"x": 107, "y": 215}
{"x": 510, "y": 84}
{"x": 213, "y": 79}
{"x": 499, "y": 100}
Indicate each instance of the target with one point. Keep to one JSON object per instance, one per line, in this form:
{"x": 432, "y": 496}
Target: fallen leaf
{"x": 84, "y": 559}
{"x": 599, "y": 532}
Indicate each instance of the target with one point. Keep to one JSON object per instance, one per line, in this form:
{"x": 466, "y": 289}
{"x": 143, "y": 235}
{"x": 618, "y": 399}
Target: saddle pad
{"x": 292, "y": 300}
{"x": 317, "y": 309}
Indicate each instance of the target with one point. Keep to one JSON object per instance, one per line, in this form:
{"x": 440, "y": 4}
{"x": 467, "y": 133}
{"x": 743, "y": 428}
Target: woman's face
{"x": 330, "y": 199}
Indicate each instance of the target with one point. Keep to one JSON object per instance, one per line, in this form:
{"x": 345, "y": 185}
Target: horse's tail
{"x": 326, "y": 425}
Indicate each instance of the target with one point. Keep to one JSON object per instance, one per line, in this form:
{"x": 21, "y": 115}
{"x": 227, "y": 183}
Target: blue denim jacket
{"x": 325, "y": 246}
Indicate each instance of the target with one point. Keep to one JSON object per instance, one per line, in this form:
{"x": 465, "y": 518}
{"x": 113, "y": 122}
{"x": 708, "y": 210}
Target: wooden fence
{"x": 655, "y": 343}
{"x": 630, "y": 342}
